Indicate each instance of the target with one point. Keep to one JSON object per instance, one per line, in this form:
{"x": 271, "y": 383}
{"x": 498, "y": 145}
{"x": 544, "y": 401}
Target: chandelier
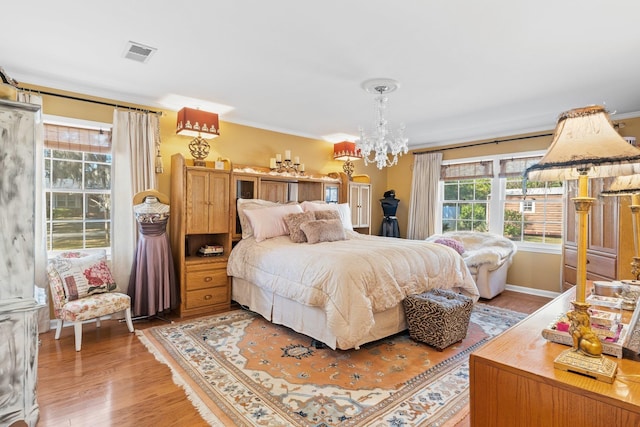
{"x": 384, "y": 145}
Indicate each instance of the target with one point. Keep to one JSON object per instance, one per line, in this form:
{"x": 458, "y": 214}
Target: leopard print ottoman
{"x": 438, "y": 318}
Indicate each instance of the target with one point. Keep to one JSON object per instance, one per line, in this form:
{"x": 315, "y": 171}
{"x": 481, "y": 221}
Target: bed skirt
{"x": 310, "y": 321}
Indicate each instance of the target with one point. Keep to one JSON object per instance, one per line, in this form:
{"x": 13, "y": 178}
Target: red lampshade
{"x": 346, "y": 150}
{"x": 194, "y": 122}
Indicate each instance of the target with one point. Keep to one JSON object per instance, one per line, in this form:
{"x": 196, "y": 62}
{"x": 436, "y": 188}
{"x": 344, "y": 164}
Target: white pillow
{"x": 308, "y": 206}
{"x": 343, "y": 209}
{"x": 269, "y": 222}
{"x": 345, "y": 216}
{"x": 247, "y": 204}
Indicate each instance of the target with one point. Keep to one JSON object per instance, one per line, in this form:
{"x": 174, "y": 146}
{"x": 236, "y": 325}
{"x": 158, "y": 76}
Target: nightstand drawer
{"x": 207, "y": 297}
{"x": 206, "y": 278}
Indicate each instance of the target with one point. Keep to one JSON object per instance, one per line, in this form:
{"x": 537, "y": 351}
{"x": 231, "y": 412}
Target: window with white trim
{"x": 77, "y": 187}
{"x": 488, "y": 195}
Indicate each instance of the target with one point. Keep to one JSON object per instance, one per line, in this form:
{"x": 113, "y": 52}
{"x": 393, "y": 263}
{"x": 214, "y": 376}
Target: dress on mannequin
{"x": 152, "y": 285}
{"x": 389, "y": 227}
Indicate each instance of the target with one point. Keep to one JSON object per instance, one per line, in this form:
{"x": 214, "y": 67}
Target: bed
{"x": 339, "y": 287}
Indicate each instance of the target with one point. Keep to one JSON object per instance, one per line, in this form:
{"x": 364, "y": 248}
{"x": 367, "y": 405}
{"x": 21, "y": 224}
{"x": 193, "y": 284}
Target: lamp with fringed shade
{"x": 348, "y": 152}
{"x": 585, "y": 145}
{"x": 196, "y": 123}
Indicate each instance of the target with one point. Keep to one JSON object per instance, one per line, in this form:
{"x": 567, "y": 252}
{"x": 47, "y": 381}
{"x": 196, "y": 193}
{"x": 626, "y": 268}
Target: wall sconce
{"x": 276, "y": 164}
{"x": 192, "y": 122}
{"x": 348, "y": 152}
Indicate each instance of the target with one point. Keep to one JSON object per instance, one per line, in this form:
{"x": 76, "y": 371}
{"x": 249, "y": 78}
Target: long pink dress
{"x": 152, "y": 285}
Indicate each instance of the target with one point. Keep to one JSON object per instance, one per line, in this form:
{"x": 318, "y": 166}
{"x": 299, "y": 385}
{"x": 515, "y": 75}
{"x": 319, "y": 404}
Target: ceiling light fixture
{"x": 383, "y": 142}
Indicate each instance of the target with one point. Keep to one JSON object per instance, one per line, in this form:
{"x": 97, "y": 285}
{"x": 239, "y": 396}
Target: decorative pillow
{"x": 326, "y": 214}
{"x": 269, "y": 222}
{"x": 323, "y": 230}
{"x": 83, "y": 273}
{"x": 452, "y": 243}
{"x": 247, "y": 204}
{"x": 294, "y": 221}
{"x": 318, "y": 206}
{"x": 344, "y": 210}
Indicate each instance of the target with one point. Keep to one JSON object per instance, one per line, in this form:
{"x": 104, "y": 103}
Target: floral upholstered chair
{"x": 82, "y": 289}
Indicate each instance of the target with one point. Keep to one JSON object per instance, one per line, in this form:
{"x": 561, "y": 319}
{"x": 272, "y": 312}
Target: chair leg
{"x": 127, "y": 317}
{"x": 77, "y": 327}
{"x": 59, "y": 328}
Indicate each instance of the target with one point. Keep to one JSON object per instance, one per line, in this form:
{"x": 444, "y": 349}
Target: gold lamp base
{"x": 199, "y": 148}
{"x": 599, "y": 367}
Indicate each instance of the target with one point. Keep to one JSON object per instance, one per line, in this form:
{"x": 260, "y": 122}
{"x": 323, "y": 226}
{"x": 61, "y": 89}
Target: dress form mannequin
{"x": 151, "y": 210}
{"x": 389, "y": 205}
{"x": 152, "y": 285}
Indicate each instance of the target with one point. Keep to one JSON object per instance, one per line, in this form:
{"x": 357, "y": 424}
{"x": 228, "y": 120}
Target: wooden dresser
{"x": 513, "y": 382}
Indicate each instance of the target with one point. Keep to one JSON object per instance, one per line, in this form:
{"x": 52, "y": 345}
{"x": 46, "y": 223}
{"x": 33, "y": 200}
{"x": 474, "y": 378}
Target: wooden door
{"x": 218, "y": 203}
{"x": 207, "y": 209}
{"x": 197, "y": 202}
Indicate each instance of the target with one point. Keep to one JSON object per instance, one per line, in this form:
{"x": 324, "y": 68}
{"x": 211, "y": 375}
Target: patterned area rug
{"x": 239, "y": 369}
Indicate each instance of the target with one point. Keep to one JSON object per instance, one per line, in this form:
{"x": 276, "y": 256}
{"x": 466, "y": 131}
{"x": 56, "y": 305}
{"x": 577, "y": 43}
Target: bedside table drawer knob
{"x": 208, "y": 297}
{"x": 208, "y": 279}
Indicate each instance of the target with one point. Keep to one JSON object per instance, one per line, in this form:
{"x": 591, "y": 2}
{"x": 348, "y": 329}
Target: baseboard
{"x": 532, "y": 291}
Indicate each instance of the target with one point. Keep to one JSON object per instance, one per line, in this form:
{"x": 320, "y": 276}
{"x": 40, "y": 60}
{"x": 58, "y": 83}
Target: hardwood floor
{"x": 115, "y": 381}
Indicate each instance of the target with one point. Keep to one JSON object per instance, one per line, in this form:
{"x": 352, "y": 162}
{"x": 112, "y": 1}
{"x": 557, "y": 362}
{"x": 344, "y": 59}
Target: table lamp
{"x": 585, "y": 145}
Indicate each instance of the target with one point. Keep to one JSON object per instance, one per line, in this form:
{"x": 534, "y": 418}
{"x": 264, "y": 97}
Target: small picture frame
{"x": 219, "y": 164}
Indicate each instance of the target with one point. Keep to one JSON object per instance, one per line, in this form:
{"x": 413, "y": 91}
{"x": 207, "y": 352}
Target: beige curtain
{"x": 134, "y": 146}
{"x": 423, "y": 206}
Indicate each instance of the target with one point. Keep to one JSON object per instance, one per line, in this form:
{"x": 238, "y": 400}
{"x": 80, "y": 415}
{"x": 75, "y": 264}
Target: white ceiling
{"x": 467, "y": 69}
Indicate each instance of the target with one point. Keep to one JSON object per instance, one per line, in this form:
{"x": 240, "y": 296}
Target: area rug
{"x": 239, "y": 369}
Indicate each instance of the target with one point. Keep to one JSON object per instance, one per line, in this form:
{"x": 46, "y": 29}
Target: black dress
{"x": 389, "y": 227}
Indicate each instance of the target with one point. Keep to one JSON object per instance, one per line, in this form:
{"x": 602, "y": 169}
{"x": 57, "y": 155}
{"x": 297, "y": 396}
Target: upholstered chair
{"x": 82, "y": 289}
{"x": 488, "y": 257}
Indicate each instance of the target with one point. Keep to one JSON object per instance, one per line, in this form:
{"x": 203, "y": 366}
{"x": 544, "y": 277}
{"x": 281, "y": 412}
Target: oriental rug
{"x": 239, "y": 369}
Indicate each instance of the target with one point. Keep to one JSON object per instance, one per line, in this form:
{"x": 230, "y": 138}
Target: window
{"x": 467, "y": 189}
{"x": 77, "y": 187}
{"x": 527, "y": 206}
{"x": 474, "y": 197}
{"x": 465, "y": 205}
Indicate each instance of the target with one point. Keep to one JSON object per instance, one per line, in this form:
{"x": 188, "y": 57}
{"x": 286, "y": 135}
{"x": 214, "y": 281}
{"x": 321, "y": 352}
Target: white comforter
{"x": 350, "y": 279}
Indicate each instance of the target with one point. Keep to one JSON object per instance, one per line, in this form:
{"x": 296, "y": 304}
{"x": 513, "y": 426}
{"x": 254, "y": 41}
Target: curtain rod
{"x": 497, "y": 141}
{"x": 93, "y": 101}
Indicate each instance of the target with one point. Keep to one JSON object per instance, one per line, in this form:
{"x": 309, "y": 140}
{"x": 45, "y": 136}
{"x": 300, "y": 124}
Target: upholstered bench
{"x": 438, "y": 318}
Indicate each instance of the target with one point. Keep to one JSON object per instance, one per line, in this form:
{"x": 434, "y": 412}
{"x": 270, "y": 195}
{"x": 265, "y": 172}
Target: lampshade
{"x": 623, "y": 185}
{"x": 346, "y": 150}
{"x": 585, "y": 141}
{"x": 192, "y": 122}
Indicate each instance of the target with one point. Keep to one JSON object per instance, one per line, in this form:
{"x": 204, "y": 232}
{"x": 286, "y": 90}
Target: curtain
{"x": 423, "y": 206}
{"x": 40, "y": 232}
{"x": 135, "y": 135}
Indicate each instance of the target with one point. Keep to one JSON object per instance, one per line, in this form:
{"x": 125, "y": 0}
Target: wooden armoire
{"x": 610, "y": 238}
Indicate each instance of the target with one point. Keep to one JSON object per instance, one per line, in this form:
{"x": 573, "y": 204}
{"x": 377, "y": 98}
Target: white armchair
{"x": 488, "y": 257}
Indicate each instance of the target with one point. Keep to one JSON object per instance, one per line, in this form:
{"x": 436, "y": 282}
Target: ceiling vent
{"x": 139, "y": 52}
